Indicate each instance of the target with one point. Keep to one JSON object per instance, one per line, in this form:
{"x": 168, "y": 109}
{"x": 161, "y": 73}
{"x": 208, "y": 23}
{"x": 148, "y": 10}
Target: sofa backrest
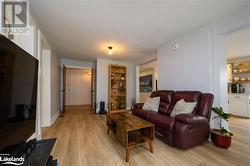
{"x": 188, "y": 96}
{"x": 205, "y": 105}
{"x": 169, "y": 98}
{"x": 166, "y": 99}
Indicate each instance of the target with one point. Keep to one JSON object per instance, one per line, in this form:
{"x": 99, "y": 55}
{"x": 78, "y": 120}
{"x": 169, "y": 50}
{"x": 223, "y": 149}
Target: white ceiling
{"x": 238, "y": 43}
{"x": 82, "y": 29}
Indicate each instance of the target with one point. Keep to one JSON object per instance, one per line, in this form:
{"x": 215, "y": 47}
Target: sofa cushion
{"x": 152, "y": 104}
{"x": 188, "y": 96}
{"x": 165, "y": 100}
{"x": 161, "y": 120}
{"x": 182, "y": 107}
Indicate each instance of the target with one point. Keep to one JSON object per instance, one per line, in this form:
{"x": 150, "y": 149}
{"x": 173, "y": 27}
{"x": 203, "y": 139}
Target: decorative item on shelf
{"x": 122, "y": 105}
{"x": 243, "y": 79}
{"x": 221, "y": 137}
{"x": 248, "y": 79}
{"x": 115, "y": 92}
{"x": 246, "y": 70}
{"x": 241, "y": 70}
{"x": 235, "y": 67}
{"x": 116, "y": 70}
{"x": 122, "y": 77}
{"x": 112, "y": 105}
{"x": 236, "y": 78}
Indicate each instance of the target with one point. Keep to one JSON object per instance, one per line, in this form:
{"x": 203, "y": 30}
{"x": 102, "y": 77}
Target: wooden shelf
{"x": 137, "y": 140}
{"x": 244, "y": 72}
{"x": 117, "y": 88}
{"x": 118, "y": 73}
{"x": 240, "y": 82}
{"x": 117, "y": 80}
{"x": 120, "y": 95}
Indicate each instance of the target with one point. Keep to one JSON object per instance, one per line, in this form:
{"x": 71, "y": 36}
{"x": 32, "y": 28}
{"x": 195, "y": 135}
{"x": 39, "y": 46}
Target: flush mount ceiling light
{"x": 110, "y": 50}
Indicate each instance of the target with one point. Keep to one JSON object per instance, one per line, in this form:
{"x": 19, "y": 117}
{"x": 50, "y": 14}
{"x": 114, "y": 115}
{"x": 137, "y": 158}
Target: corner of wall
{"x": 54, "y": 117}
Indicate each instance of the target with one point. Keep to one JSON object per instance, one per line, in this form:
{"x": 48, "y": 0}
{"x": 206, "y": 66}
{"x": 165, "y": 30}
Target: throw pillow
{"x": 182, "y": 107}
{"x": 152, "y": 104}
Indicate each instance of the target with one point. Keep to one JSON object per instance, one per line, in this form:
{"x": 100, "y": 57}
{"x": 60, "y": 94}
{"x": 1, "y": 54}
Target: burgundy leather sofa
{"x": 185, "y": 130}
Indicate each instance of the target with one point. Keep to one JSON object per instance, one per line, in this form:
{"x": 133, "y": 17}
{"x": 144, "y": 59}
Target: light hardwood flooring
{"x": 82, "y": 140}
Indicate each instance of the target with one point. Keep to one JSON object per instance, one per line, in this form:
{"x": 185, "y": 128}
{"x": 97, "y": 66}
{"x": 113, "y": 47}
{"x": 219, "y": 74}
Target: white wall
{"x": 191, "y": 67}
{"x": 50, "y": 87}
{"x": 188, "y": 67}
{"x": 200, "y": 61}
{"x": 45, "y": 88}
{"x": 55, "y": 87}
{"x": 102, "y": 80}
{"x": 1, "y": 1}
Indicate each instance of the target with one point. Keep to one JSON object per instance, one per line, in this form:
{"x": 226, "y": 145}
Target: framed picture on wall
{"x": 146, "y": 83}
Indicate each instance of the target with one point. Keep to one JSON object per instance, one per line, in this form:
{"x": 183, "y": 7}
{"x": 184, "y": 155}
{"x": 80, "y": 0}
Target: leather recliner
{"x": 185, "y": 130}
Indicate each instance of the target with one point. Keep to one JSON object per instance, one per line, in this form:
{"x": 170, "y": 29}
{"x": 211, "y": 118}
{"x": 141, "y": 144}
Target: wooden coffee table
{"x": 130, "y": 130}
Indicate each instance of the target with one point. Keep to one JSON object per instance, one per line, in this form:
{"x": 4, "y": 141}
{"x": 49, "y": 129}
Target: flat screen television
{"x": 18, "y": 94}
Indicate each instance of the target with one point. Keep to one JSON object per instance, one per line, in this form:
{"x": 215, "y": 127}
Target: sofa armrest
{"x": 191, "y": 119}
{"x": 138, "y": 105}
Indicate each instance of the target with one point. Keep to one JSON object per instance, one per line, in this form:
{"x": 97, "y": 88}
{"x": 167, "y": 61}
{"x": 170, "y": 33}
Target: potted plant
{"x": 221, "y": 137}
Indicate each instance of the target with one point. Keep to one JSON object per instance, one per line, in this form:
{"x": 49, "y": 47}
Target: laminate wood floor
{"x": 82, "y": 140}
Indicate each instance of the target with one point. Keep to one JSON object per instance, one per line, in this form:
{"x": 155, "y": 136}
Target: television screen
{"x": 18, "y": 93}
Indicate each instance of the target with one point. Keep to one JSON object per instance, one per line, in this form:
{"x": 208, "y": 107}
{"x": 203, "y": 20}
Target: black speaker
{"x": 102, "y": 108}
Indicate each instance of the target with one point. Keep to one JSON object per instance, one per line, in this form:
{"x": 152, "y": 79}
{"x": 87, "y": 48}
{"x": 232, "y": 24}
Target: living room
{"x": 135, "y": 51}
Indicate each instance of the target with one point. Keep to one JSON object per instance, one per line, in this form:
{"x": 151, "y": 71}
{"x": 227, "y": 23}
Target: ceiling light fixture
{"x": 110, "y": 50}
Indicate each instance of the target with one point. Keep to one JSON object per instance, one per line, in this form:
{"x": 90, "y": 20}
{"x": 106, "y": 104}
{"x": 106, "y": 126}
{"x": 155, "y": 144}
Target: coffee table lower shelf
{"x": 130, "y": 131}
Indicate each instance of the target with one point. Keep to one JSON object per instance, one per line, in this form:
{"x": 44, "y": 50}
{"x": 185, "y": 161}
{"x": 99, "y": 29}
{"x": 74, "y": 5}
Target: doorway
{"x": 238, "y": 72}
{"x": 237, "y": 50}
{"x": 77, "y": 88}
{"x": 147, "y": 81}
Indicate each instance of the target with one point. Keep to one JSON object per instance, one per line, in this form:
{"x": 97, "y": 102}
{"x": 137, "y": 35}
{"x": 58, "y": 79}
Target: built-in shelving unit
{"x": 117, "y": 88}
{"x": 239, "y": 73}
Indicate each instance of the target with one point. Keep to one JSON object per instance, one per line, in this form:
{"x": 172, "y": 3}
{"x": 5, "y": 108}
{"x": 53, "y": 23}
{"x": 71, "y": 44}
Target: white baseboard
{"x": 54, "y": 117}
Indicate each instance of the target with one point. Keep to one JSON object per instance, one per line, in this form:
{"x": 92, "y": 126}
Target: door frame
{"x": 63, "y": 91}
{"x": 63, "y": 85}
